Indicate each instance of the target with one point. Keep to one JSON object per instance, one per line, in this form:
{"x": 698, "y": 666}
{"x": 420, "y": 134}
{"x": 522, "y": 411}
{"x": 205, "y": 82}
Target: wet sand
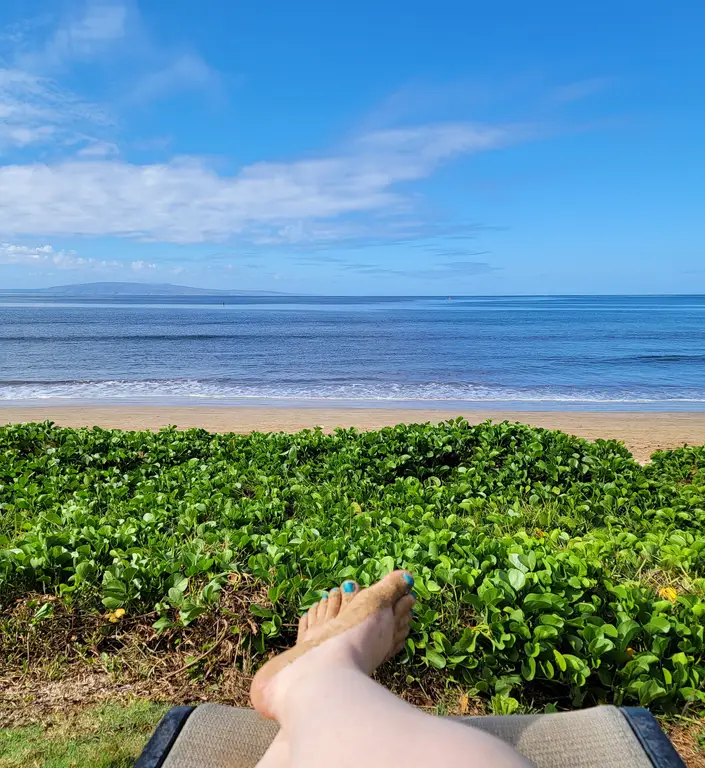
{"x": 643, "y": 433}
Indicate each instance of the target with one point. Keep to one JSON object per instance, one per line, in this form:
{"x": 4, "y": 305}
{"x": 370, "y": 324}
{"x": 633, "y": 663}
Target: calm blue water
{"x": 556, "y": 352}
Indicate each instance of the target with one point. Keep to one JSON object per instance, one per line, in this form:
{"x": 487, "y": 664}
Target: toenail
{"x": 349, "y": 586}
{"x": 409, "y": 579}
{"x": 335, "y": 589}
{"x": 324, "y": 596}
{"x": 413, "y": 594}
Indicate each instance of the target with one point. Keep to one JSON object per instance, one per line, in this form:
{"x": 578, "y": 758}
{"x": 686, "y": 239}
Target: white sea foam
{"x": 371, "y": 391}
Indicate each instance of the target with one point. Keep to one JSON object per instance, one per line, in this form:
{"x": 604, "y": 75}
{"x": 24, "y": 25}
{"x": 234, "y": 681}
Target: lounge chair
{"x": 218, "y": 736}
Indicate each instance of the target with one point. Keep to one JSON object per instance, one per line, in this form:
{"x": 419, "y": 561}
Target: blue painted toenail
{"x": 349, "y": 586}
{"x": 409, "y": 579}
{"x": 324, "y": 596}
{"x": 335, "y": 589}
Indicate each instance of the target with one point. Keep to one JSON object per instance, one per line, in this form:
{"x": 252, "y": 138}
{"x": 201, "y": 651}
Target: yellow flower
{"x": 630, "y": 652}
{"x": 668, "y": 593}
{"x": 540, "y": 533}
{"x": 114, "y": 616}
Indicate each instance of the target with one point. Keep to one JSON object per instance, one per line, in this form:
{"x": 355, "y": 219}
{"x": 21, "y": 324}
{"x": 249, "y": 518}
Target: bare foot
{"x": 354, "y": 627}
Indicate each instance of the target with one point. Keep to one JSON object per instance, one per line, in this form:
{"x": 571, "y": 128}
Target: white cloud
{"x": 34, "y": 110}
{"x": 185, "y": 72}
{"x": 38, "y": 111}
{"x": 44, "y": 256}
{"x": 139, "y": 266}
{"x": 97, "y": 148}
{"x": 81, "y": 36}
{"x": 185, "y": 201}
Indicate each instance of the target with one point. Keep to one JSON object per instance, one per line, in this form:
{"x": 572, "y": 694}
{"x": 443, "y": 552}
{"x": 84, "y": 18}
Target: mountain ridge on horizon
{"x": 134, "y": 289}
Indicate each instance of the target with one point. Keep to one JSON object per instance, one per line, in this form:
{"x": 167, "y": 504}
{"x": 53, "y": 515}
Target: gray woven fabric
{"x": 217, "y": 736}
{"x": 587, "y": 738}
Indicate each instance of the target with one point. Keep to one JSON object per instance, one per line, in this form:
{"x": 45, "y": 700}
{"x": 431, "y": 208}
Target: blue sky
{"x": 383, "y": 148}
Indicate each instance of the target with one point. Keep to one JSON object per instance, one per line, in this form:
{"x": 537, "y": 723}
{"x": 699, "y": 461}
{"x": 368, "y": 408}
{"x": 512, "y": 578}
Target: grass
{"x": 109, "y": 736}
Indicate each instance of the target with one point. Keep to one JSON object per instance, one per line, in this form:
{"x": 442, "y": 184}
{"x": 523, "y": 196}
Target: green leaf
{"x": 544, "y": 632}
{"x": 658, "y": 624}
{"x": 162, "y": 623}
{"x": 627, "y": 630}
{"x": 649, "y": 692}
{"x": 45, "y": 612}
{"x": 516, "y": 578}
{"x": 599, "y": 646}
{"x": 528, "y": 669}
{"x": 535, "y": 601}
{"x": 435, "y": 659}
{"x": 551, "y": 620}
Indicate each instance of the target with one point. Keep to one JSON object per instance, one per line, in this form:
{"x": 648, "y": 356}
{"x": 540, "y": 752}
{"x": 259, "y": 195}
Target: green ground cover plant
{"x": 549, "y": 570}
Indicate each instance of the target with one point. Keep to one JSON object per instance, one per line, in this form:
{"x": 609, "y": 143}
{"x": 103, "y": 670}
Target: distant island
{"x": 106, "y": 290}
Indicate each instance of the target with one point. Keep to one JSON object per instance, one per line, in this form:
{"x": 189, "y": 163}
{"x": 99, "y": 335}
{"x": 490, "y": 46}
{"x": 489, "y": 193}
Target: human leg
{"x": 333, "y": 714}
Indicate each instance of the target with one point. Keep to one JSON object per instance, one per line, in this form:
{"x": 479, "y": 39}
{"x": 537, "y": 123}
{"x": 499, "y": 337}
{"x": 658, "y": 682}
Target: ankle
{"x": 295, "y": 694}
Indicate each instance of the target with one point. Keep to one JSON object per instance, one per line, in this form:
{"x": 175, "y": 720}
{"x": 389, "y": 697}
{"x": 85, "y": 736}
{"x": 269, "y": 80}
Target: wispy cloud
{"x": 38, "y": 111}
{"x": 34, "y": 110}
{"x": 187, "y": 202}
{"x": 84, "y": 34}
{"x": 442, "y": 271}
{"x": 579, "y": 90}
{"x": 185, "y": 72}
{"x": 98, "y": 148}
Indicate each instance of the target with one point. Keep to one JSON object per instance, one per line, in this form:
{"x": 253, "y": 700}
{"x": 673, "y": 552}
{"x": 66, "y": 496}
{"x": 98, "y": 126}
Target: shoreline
{"x": 643, "y": 432}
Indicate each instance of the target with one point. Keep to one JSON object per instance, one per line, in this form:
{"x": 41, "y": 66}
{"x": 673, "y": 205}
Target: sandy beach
{"x": 643, "y": 433}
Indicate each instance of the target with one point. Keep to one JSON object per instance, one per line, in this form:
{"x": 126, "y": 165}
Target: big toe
{"x": 393, "y": 587}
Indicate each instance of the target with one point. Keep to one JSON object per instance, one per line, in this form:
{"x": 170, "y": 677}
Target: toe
{"x": 401, "y": 632}
{"x": 303, "y": 626}
{"x": 401, "y": 628}
{"x": 402, "y": 608}
{"x": 323, "y": 608}
{"x": 394, "y": 586}
{"x": 399, "y": 646}
{"x": 334, "y": 602}
{"x": 313, "y": 613}
{"x": 349, "y": 590}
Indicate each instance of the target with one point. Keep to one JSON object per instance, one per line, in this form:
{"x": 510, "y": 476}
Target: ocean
{"x": 544, "y": 353}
